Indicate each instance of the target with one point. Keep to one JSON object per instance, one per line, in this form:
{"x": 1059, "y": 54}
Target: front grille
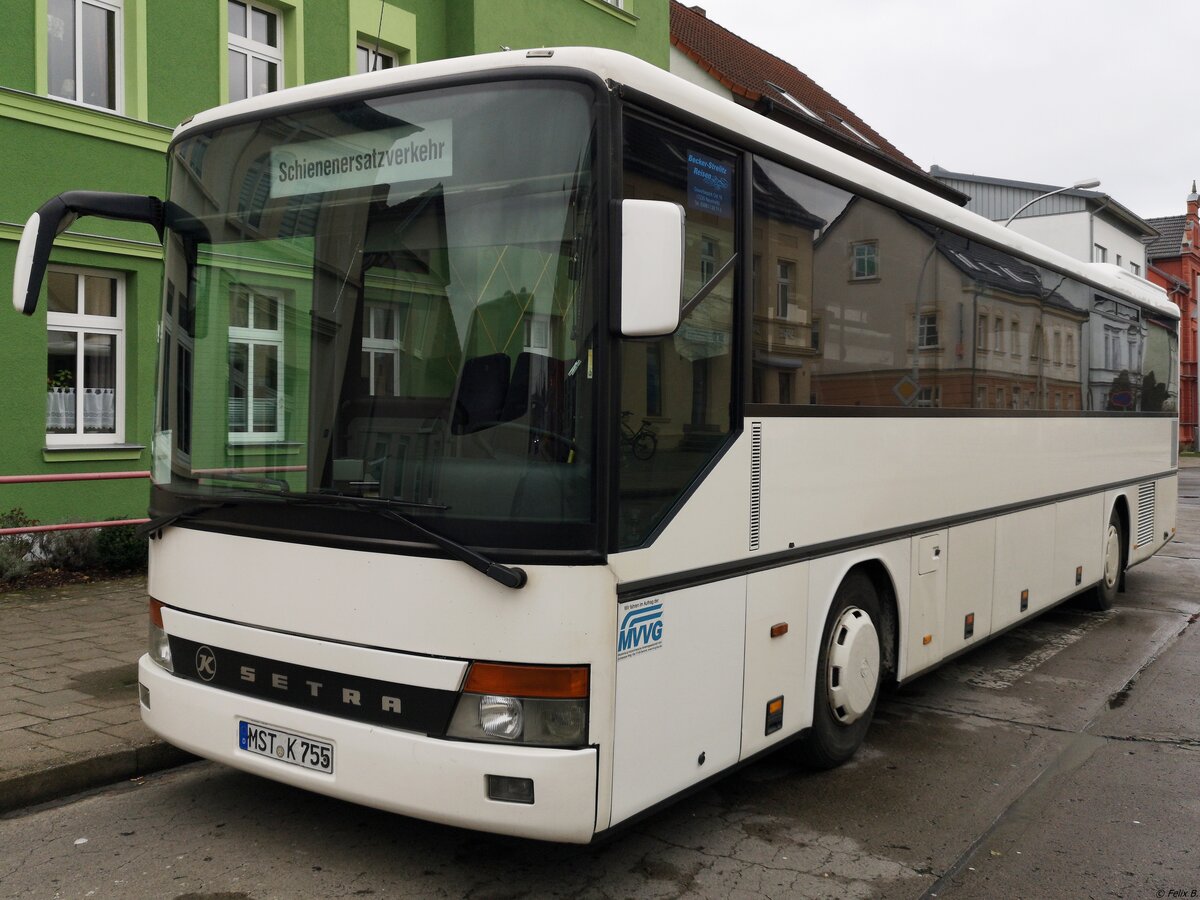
{"x": 403, "y": 706}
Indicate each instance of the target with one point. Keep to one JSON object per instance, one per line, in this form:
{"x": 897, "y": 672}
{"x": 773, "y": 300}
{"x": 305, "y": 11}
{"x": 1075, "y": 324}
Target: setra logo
{"x": 641, "y": 629}
{"x": 206, "y": 663}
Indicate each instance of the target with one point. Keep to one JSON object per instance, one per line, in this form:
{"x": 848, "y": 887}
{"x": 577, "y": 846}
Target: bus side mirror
{"x": 651, "y": 267}
{"x": 56, "y": 216}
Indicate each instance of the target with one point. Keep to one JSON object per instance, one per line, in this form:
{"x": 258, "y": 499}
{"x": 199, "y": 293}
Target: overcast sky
{"x": 1049, "y": 91}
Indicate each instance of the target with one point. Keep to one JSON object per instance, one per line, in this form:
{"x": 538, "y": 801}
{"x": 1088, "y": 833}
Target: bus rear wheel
{"x": 848, "y": 675}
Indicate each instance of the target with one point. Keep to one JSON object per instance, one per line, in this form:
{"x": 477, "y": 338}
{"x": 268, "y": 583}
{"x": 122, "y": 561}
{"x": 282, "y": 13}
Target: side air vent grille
{"x": 755, "y": 482}
{"x": 1145, "y": 514}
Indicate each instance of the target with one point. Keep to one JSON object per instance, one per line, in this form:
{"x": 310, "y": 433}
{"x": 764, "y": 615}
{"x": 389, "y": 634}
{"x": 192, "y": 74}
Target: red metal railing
{"x": 71, "y": 476}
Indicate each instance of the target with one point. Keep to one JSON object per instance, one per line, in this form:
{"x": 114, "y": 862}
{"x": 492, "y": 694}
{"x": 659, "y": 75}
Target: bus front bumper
{"x": 398, "y": 771}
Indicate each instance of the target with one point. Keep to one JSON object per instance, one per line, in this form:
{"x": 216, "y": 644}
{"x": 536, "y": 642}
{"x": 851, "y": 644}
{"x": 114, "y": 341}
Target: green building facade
{"x": 90, "y": 91}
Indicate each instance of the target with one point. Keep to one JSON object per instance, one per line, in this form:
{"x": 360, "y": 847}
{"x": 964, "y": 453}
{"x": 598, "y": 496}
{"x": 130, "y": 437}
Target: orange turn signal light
{"x": 554, "y": 682}
{"x": 156, "y": 613}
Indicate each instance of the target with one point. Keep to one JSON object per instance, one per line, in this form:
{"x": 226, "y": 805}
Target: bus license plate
{"x": 297, "y": 749}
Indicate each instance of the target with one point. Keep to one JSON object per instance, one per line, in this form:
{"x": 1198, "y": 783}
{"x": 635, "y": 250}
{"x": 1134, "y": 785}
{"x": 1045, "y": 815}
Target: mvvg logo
{"x": 641, "y": 630}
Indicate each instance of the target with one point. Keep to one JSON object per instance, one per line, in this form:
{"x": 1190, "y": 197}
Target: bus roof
{"x": 620, "y": 68}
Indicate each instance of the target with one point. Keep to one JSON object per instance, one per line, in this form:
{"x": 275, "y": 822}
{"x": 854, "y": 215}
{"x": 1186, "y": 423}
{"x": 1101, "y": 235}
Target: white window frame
{"x": 785, "y": 272}
{"x": 83, "y": 324}
{"x": 118, "y": 51}
{"x": 374, "y": 346}
{"x": 927, "y": 324}
{"x": 869, "y": 258}
{"x": 537, "y": 333}
{"x": 253, "y": 49}
{"x": 258, "y": 337}
{"x": 373, "y": 53}
{"x": 1099, "y": 253}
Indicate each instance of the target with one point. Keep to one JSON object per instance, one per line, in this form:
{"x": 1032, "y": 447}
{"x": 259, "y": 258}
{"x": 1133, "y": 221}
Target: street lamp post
{"x": 1077, "y": 186}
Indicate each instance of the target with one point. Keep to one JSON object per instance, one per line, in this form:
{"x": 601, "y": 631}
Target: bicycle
{"x": 643, "y": 442}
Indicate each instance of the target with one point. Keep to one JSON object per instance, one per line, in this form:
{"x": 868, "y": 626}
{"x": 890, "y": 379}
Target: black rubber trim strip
{"x": 661, "y": 584}
{"x": 785, "y": 411}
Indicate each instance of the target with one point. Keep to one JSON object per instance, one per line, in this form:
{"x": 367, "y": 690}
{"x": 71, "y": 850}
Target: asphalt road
{"x": 1058, "y": 761}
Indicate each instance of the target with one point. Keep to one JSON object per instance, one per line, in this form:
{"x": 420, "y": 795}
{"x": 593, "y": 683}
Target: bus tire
{"x": 1104, "y": 594}
{"x": 848, "y": 675}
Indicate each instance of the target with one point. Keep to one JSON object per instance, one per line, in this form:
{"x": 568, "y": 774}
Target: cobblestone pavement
{"x": 69, "y": 717}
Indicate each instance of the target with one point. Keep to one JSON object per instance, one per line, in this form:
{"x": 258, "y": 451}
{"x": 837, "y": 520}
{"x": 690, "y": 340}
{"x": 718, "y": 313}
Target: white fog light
{"x": 501, "y": 717}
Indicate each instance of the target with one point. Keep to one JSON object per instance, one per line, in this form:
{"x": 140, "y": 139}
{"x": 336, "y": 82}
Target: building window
{"x": 998, "y": 335}
{"x": 865, "y": 260}
{"x": 929, "y": 396}
{"x": 981, "y": 398}
{"x": 785, "y": 387}
{"x": 372, "y": 59}
{"x": 1035, "y": 348}
{"x": 537, "y": 334}
{"x": 1016, "y": 397}
{"x": 999, "y": 398}
{"x": 1014, "y": 337}
{"x": 927, "y": 331}
{"x": 255, "y": 50}
{"x": 84, "y": 52}
{"x": 1118, "y": 259}
{"x": 1135, "y": 269}
{"x": 1069, "y": 359}
{"x": 654, "y": 362}
{"x": 381, "y": 348}
{"x": 815, "y": 340}
{"x": 85, "y": 369}
{"x": 981, "y": 332}
{"x": 1099, "y": 254}
{"x": 710, "y": 250}
{"x": 783, "y": 288}
{"x": 255, "y": 366}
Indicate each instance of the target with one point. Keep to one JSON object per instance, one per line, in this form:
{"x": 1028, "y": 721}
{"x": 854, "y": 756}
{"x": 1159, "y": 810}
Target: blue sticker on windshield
{"x": 710, "y": 185}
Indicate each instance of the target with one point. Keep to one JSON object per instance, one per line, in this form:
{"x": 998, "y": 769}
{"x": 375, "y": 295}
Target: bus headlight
{"x": 501, "y": 717}
{"x": 158, "y": 647}
{"x": 537, "y": 705}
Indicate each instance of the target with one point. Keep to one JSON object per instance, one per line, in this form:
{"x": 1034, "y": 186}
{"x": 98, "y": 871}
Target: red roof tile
{"x": 746, "y": 70}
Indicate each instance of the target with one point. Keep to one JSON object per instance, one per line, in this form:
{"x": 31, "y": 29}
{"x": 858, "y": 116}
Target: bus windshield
{"x": 388, "y": 299}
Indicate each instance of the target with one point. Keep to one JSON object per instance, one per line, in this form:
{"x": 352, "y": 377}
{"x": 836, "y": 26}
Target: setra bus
{"x": 401, "y": 553}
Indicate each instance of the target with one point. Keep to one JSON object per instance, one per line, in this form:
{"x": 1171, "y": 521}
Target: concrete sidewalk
{"x": 69, "y": 716}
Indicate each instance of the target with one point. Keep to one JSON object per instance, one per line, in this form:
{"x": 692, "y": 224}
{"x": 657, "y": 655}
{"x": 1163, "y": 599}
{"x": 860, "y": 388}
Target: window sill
{"x": 89, "y": 452}
{"x": 870, "y": 279}
{"x": 265, "y": 447}
{"x": 616, "y": 12}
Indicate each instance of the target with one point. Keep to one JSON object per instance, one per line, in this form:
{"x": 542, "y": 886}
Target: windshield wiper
{"x": 155, "y": 526}
{"x": 509, "y": 576}
{"x": 283, "y": 486}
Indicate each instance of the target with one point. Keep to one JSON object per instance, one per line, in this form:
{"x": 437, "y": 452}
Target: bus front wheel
{"x": 848, "y": 675}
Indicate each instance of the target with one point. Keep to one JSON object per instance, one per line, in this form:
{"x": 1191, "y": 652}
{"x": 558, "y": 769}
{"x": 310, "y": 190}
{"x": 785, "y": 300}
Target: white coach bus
{"x": 403, "y": 553}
